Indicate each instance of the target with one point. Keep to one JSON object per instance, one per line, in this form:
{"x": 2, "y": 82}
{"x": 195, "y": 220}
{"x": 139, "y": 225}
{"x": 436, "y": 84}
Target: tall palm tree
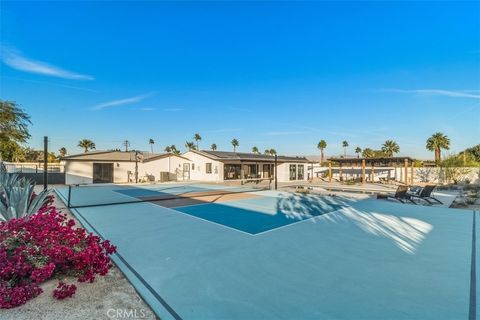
{"x": 197, "y": 138}
{"x": 390, "y": 147}
{"x": 345, "y": 145}
{"x": 437, "y": 142}
{"x": 213, "y": 147}
{"x": 62, "y": 151}
{"x": 255, "y": 150}
{"x": 273, "y": 152}
{"x": 235, "y": 144}
{"x": 86, "y": 144}
{"x": 267, "y": 152}
{"x": 190, "y": 145}
{"x": 168, "y": 149}
{"x": 151, "y": 142}
{"x": 358, "y": 150}
{"x": 321, "y": 146}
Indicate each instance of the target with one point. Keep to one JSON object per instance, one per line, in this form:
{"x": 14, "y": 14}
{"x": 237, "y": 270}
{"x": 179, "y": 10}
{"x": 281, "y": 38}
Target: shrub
{"x": 17, "y": 198}
{"x": 43, "y": 246}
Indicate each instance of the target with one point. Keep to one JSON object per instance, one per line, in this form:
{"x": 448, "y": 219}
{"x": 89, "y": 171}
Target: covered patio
{"x": 399, "y": 169}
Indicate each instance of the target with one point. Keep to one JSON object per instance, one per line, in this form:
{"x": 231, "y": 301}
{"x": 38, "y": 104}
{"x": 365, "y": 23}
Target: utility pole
{"x": 126, "y": 144}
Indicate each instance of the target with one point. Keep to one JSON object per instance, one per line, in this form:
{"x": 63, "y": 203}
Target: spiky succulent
{"x": 17, "y": 198}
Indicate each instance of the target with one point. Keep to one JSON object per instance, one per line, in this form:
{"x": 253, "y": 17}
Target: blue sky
{"x": 277, "y": 75}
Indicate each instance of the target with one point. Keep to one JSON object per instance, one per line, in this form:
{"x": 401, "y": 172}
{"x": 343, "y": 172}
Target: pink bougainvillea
{"x": 64, "y": 290}
{"x": 43, "y": 246}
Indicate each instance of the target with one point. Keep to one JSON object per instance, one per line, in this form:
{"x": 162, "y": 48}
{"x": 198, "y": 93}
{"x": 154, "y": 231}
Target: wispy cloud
{"x": 173, "y": 109}
{"x": 51, "y": 84}
{"x": 120, "y": 102}
{"x": 439, "y": 92}
{"x": 283, "y": 133}
{"x": 16, "y": 60}
{"x": 147, "y": 109}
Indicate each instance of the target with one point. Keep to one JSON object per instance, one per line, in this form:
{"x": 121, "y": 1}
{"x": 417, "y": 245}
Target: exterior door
{"x": 266, "y": 171}
{"x": 186, "y": 171}
{"x": 103, "y": 173}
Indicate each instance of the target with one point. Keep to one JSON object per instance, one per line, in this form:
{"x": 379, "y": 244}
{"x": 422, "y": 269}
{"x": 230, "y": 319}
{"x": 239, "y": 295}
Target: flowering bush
{"x": 46, "y": 245}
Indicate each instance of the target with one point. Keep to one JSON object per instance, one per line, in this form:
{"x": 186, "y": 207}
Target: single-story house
{"x": 121, "y": 167}
{"x": 220, "y": 166}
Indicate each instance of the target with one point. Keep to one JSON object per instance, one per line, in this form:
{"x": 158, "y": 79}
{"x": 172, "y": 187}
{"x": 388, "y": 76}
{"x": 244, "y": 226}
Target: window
{"x": 193, "y": 166}
{"x": 250, "y": 171}
{"x": 208, "y": 168}
{"x": 293, "y": 172}
{"x": 232, "y": 171}
{"x": 301, "y": 172}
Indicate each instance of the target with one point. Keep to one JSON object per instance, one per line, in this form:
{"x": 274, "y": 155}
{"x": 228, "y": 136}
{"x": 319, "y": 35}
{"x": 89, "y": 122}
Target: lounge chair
{"x": 426, "y": 194}
{"x": 401, "y": 195}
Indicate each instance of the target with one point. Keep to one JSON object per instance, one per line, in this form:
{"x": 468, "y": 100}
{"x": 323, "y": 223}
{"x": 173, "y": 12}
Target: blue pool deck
{"x": 287, "y": 256}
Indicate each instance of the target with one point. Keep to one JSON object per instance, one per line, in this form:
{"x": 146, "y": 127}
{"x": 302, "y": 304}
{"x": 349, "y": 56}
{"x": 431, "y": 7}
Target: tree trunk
{"x": 437, "y": 156}
{"x": 322, "y": 158}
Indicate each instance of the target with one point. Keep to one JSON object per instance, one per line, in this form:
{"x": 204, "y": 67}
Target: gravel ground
{"x": 109, "y": 297}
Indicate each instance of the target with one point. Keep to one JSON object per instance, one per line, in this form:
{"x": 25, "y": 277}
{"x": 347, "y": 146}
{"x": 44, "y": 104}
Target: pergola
{"x": 371, "y": 163}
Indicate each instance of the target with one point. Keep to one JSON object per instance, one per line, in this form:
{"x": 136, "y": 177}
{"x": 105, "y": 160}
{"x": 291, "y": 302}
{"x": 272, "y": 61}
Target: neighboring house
{"x": 219, "y": 166}
{"x": 119, "y": 166}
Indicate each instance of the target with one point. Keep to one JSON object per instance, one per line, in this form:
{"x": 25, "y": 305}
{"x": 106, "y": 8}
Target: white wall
{"x": 172, "y": 164}
{"x": 199, "y": 163}
{"x": 78, "y": 172}
{"x": 81, "y": 172}
{"x": 283, "y": 171}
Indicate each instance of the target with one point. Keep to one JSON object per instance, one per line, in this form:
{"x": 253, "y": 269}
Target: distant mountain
{"x": 317, "y": 157}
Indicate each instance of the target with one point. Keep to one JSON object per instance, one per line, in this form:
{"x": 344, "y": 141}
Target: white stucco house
{"x": 122, "y": 167}
{"x": 220, "y": 166}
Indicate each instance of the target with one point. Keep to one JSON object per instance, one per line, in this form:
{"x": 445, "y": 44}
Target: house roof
{"x": 242, "y": 156}
{"x": 119, "y": 156}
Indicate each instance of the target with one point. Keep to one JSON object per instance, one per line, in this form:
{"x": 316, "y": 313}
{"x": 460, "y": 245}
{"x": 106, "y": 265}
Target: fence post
{"x": 45, "y": 162}
{"x": 69, "y": 195}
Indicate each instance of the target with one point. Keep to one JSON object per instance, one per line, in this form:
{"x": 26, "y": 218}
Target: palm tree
{"x": 267, "y": 152}
{"x": 345, "y": 145}
{"x": 172, "y": 149}
{"x": 86, "y": 144}
{"x": 390, "y": 147}
{"x": 213, "y": 147}
{"x": 322, "y": 145}
{"x": 273, "y": 152}
{"x": 368, "y": 153}
{"x": 62, "y": 151}
{"x": 197, "y": 138}
{"x": 437, "y": 142}
{"x": 190, "y": 145}
{"x": 235, "y": 144}
{"x": 255, "y": 150}
{"x": 358, "y": 150}
{"x": 151, "y": 142}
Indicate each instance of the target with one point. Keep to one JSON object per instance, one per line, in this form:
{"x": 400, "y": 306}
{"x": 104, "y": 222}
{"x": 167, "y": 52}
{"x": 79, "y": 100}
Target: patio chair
{"x": 426, "y": 194}
{"x": 401, "y": 195}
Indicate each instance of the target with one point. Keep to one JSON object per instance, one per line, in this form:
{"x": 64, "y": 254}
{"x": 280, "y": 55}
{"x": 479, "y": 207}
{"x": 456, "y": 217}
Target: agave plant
{"x": 17, "y": 198}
